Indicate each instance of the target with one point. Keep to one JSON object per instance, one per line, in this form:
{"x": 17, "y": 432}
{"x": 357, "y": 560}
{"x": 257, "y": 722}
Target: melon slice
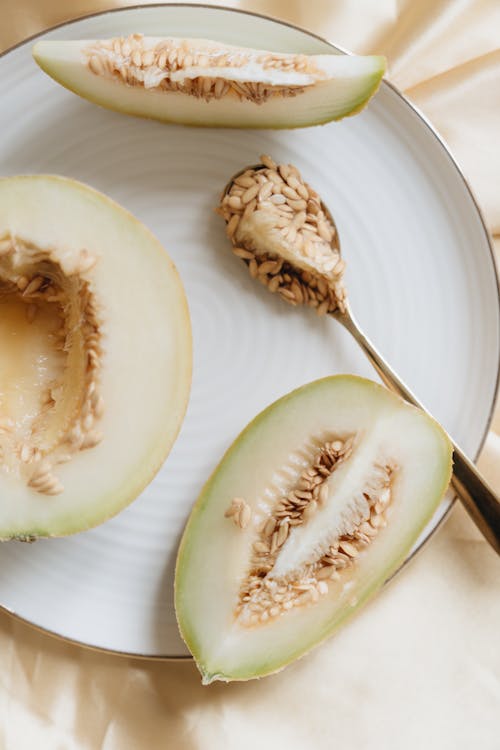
{"x": 96, "y": 357}
{"x": 313, "y": 507}
{"x": 201, "y": 82}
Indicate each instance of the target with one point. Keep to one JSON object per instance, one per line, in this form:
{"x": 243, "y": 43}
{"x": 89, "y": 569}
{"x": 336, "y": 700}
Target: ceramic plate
{"x": 420, "y": 274}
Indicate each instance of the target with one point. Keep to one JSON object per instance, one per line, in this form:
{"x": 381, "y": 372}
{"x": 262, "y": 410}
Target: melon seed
{"x": 273, "y": 596}
{"x": 45, "y": 285}
{"x": 130, "y": 60}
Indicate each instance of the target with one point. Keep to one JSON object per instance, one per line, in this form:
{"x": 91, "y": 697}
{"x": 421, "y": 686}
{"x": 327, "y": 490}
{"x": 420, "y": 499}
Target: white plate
{"x": 420, "y": 272}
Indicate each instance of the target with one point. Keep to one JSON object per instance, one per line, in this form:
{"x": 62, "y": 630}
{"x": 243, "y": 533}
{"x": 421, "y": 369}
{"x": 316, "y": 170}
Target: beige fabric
{"x": 420, "y": 667}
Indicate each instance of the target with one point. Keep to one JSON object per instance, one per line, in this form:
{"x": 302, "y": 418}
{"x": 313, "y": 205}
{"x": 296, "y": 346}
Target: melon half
{"x": 96, "y": 357}
{"x": 202, "y": 82}
{"x": 312, "y": 508}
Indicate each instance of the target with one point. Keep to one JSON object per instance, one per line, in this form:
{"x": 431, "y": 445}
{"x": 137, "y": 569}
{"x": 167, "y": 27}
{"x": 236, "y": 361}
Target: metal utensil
{"x": 481, "y": 503}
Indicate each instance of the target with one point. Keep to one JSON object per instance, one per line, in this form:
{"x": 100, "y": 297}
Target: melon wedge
{"x": 201, "y": 82}
{"x": 96, "y": 357}
{"x": 314, "y": 506}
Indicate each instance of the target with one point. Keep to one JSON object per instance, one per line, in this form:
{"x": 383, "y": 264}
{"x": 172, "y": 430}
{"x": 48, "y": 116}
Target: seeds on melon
{"x": 63, "y": 308}
{"x": 95, "y": 370}
{"x": 336, "y": 480}
{"x": 202, "y": 82}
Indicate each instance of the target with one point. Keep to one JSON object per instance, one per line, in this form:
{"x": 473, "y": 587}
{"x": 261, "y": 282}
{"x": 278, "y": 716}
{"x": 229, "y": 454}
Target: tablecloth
{"x": 420, "y": 666}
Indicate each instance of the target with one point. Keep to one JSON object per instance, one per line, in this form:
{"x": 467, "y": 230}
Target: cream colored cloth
{"x": 420, "y": 666}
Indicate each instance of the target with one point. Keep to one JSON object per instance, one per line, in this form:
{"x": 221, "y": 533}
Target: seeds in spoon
{"x": 277, "y": 226}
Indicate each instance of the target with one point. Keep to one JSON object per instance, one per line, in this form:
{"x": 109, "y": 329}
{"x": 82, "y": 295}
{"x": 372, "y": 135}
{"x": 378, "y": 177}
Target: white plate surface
{"x": 420, "y": 274}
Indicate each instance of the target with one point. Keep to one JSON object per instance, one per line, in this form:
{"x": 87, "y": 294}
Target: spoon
{"x": 282, "y": 230}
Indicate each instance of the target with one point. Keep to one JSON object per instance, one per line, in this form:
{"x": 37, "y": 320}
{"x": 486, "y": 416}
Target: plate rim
{"x": 446, "y": 151}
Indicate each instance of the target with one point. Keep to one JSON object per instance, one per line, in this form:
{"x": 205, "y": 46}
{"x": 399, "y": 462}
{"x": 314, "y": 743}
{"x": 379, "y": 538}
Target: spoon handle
{"x": 481, "y": 503}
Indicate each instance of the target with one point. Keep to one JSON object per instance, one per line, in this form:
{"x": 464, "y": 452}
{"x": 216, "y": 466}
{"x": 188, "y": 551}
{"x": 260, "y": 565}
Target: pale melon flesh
{"x": 262, "y": 467}
{"x": 212, "y": 84}
{"x": 95, "y": 368}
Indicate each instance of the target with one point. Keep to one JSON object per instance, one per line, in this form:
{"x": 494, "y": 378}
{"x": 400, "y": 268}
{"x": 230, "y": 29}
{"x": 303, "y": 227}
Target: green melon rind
{"x": 188, "y": 538}
{"x": 60, "y": 74}
{"x": 133, "y": 484}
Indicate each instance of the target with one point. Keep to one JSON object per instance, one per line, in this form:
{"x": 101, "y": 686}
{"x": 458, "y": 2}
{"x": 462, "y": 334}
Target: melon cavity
{"x": 312, "y": 508}
{"x": 203, "y": 82}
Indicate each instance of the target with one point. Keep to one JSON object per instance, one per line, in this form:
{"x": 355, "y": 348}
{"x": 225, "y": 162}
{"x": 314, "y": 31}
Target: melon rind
{"x": 213, "y": 554}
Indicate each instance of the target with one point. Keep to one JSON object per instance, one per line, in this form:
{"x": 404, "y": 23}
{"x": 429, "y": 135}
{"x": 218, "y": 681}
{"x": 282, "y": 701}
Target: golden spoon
{"x": 282, "y": 230}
